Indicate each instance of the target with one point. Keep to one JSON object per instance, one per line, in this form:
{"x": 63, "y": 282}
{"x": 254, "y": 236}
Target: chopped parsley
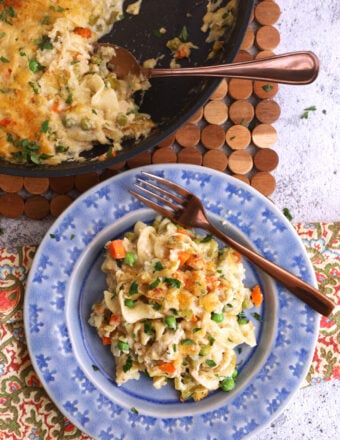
{"x": 267, "y": 87}
{"x": 158, "y": 266}
{"x": 287, "y": 214}
{"x": 95, "y": 368}
{"x": 187, "y": 342}
{"x": 306, "y": 112}
{"x": 128, "y": 364}
{"x": 28, "y": 151}
{"x": 133, "y": 288}
{"x": 257, "y": 316}
{"x": 44, "y": 126}
{"x": 207, "y": 238}
{"x": 7, "y": 13}
{"x": 242, "y": 318}
{"x": 184, "y": 34}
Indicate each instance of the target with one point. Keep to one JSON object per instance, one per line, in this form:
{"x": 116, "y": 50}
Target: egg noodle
{"x": 174, "y": 308}
{"x": 57, "y": 96}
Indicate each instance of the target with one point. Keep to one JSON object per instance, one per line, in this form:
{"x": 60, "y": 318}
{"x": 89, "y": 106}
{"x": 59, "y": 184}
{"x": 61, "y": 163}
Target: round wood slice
{"x": 85, "y": 181}
{"x": 265, "y": 89}
{"x": 164, "y": 155}
{"x": 242, "y": 178}
{"x": 248, "y": 39}
{"x": 213, "y": 136}
{"x": 238, "y": 137}
{"x": 59, "y": 203}
{"x": 243, "y": 55}
{"x": 240, "y": 88}
{"x": 215, "y": 159}
{"x": 11, "y": 205}
{"x": 241, "y": 112}
{"x": 267, "y": 12}
{"x": 240, "y": 162}
{"x": 11, "y": 184}
{"x": 195, "y": 118}
{"x": 264, "y": 136}
{"x": 190, "y": 155}
{"x": 266, "y": 159}
{"x": 216, "y": 112}
{"x": 267, "y": 111}
{"x": 106, "y": 174}
{"x": 36, "y": 185}
{"x": 267, "y": 38}
{"x": 140, "y": 160}
{"x": 37, "y": 207}
{"x": 264, "y": 54}
{"x": 220, "y": 91}
{"x": 264, "y": 182}
{"x": 62, "y": 185}
{"x": 168, "y": 142}
{"x": 188, "y": 135}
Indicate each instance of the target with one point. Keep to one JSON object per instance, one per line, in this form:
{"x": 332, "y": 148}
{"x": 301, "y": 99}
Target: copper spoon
{"x": 290, "y": 68}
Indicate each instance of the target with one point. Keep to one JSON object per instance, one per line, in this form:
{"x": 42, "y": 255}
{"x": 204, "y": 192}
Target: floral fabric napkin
{"x": 27, "y": 413}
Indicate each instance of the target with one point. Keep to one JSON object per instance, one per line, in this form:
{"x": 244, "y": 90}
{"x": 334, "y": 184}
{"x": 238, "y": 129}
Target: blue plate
{"x": 77, "y": 371}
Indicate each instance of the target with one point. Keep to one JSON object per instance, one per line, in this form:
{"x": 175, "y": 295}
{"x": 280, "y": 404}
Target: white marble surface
{"x": 308, "y": 179}
{"x": 307, "y": 183}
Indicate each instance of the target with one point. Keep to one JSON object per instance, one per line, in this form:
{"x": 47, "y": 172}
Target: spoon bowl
{"x": 295, "y": 68}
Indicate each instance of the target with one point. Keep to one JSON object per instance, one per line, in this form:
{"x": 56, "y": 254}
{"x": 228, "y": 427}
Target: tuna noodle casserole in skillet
{"x": 57, "y": 96}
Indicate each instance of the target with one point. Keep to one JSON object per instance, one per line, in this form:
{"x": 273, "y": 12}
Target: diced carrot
{"x": 183, "y": 231}
{"x": 193, "y": 318}
{"x": 83, "y": 32}
{"x": 115, "y": 319}
{"x": 167, "y": 367}
{"x": 4, "y": 122}
{"x": 98, "y": 308}
{"x": 183, "y": 257}
{"x": 256, "y": 296}
{"x": 116, "y": 249}
{"x": 182, "y": 52}
{"x": 237, "y": 256}
{"x": 211, "y": 282}
{"x": 106, "y": 340}
{"x": 55, "y": 107}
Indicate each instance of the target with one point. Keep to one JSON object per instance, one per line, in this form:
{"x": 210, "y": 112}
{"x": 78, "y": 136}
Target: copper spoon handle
{"x": 290, "y": 68}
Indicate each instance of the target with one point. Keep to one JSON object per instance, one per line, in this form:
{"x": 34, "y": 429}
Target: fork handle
{"x": 304, "y": 291}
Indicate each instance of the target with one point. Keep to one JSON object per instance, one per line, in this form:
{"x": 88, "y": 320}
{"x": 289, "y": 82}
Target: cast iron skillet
{"x": 169, "y": 101}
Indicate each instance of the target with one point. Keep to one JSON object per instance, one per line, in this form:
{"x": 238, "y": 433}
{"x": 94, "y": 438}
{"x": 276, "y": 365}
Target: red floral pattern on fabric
{"x": 26, "y": 412}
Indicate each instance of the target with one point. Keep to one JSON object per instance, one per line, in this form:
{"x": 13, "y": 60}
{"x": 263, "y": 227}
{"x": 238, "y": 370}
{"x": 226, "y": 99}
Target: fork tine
{"x": 146, "y": 192}
{"x": 145, "y": 183}
{"x": 153, "y": 205}
{"x": 182, "y": 191}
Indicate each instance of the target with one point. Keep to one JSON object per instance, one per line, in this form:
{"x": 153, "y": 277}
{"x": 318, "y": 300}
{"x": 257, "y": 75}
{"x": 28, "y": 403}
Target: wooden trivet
{"x": 233, "y": 132}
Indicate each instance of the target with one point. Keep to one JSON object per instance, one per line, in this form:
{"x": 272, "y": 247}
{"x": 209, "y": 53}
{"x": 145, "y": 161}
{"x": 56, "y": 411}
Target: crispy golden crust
{"x": 22, "y": 110}
{"x": 57, "y": 97}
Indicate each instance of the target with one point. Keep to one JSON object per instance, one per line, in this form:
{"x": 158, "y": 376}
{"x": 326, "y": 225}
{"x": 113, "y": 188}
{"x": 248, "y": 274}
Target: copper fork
{"x": 186, "y": 209}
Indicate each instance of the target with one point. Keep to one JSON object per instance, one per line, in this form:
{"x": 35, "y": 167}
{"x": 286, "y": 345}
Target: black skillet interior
{"x": 169, "y": 101}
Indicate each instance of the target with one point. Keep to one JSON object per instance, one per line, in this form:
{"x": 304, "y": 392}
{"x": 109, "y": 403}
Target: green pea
{"x": 228, "y": 384}
{"x": 171, "y": 322}
{"x": 217, "y": 317}
{"x": 86, "y": 124}
{"x": 123, "y": 346}
{"x": 130, "y": 303}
